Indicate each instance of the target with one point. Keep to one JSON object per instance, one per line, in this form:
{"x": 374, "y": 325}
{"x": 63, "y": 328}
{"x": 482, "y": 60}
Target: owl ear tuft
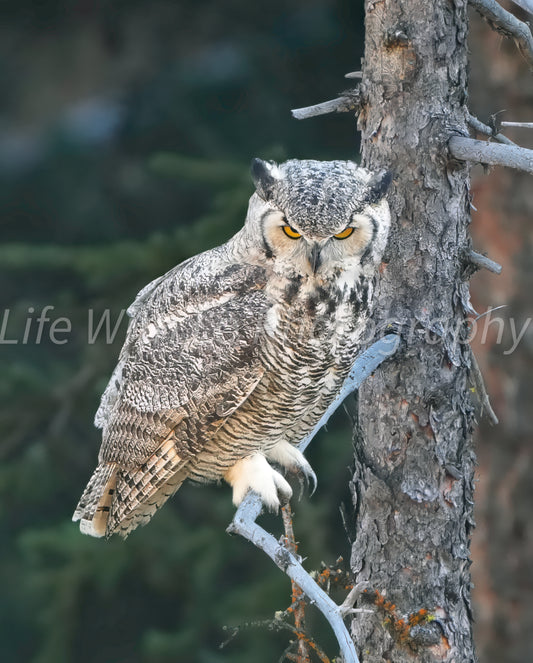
{"x": 378, "y": 185}
{"x": 264, "y": 176}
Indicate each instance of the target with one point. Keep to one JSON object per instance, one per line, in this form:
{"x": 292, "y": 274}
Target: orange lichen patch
{"x": 312, "y": 644}
{"x": 382, "y": 603}
{"x": 400, "y": 627}
{"x": 324, "y": 577}
{"x": 419, "y": 617}
{"x": 334, "y": 576}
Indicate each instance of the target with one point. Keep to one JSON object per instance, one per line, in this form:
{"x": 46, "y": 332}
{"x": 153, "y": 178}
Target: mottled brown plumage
{"x": 233, "y": 356}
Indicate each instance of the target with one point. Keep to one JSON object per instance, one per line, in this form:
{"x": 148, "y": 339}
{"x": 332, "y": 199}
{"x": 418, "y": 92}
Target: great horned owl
{"x": 232, "y": 357}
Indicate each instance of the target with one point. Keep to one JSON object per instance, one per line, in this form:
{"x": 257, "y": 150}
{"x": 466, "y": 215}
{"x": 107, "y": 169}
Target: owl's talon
{"x": 254, "y": 473}
{"x": 307, "y": 479}
{"x": 293, "y": 460}
{"x": 310, "y": 479}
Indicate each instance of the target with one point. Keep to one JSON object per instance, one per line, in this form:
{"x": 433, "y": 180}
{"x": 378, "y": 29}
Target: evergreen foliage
{"x": 92, "y": 209}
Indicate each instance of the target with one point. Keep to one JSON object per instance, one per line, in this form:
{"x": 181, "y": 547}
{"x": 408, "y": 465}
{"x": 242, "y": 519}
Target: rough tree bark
{"x": 413, "y": 481}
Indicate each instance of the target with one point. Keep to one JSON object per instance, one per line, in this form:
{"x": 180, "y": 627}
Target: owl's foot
{"x": 254, "y": 473}
{"x": 293, "y": 460}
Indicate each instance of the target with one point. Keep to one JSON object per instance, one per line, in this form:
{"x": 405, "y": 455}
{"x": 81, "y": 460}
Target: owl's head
{"x": 319, "y": 217}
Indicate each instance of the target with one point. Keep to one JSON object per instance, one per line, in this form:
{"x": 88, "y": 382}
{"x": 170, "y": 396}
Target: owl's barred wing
{"x": 167, "y": 316}
{"x": 187, "y": 363}
{"x": 189, "y": 360}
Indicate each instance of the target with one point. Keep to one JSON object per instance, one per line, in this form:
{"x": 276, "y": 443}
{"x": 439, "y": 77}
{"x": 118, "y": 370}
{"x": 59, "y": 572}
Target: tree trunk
{"x": 414, "y": 462}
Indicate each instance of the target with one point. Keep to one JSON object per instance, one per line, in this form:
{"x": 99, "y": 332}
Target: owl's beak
{"x": 313, "y": 255}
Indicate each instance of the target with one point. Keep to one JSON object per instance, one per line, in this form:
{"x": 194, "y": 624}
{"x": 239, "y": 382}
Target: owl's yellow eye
{"x": 290, "y": 232}
{"x": 345, "y": 233}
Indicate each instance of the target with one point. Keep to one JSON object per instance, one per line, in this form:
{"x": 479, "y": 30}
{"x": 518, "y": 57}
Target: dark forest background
{"x": 126, "y": 132}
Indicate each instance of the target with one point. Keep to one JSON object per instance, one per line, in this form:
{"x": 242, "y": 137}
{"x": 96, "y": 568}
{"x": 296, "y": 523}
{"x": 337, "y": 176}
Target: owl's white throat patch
{"x": 347, "y": 278}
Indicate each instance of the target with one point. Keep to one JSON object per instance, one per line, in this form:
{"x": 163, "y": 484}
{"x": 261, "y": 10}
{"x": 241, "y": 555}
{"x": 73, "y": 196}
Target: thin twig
{"x": 278, "y": 623}
{"x": 482, "y": 261}
{"x": 481, "y": 151}
{"x": 504, "y": 22}
{"x": 318, "y": 651}
{"x": 244, "y": 520}
{"x": 298, "y": 605}
{"x": 521, "y": 125}
{"x": 347, "y": 605}
{"x": 484, "y": 129}
{"x": 479, "y": 384}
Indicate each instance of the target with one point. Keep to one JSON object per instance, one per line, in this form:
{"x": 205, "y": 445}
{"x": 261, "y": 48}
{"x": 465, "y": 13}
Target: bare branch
{"x": 522, "y": 125}
{"x": 354, "y": 74}
{"x": 504, "y": 22}
{"x": 512, "y": 156}
{"x": 349, "y": 102}
{"x": 484, "y": 129}
{"x": 244, "y": 524}
{"x": 482, "y": 261}
{"x": 338, "y": 105}
{"x": 479, "y": 384}
{"x": 278, "y": 623}
{"x": 347, "y": 605}
{"x": 526, "y": 5}
{"x": 244, "y": 520}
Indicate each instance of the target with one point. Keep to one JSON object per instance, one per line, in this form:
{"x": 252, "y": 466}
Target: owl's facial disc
{"x": 364, "y": 227}
{"x": 295, "y": 250}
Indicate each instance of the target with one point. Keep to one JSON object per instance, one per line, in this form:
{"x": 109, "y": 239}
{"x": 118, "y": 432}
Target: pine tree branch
{"x": 512, "y": 156}
{"x": 484, "y": 129}
{"x": 483, "y": 262}
{"x": 504, "y": 22}
{"x": 243, "y": 522}
{"x": 521, "y": 125}
{"x": 349, "y": 102}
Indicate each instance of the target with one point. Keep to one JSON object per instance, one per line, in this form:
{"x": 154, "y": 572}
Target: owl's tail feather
{"x": 95, "y": 504}
{"x": 144, "y": 511}
{"x": 140, "y": 492}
